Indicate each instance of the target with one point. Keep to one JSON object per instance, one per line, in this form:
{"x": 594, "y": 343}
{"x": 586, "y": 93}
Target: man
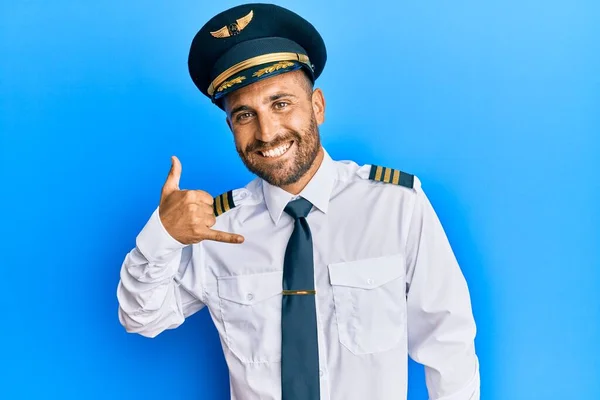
{"x": 320, "y": 276}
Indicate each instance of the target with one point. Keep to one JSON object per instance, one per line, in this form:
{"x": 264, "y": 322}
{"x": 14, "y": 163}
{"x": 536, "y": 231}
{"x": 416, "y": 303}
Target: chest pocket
{"x": 251, "y": 314}
{"x": 370, "y": 303}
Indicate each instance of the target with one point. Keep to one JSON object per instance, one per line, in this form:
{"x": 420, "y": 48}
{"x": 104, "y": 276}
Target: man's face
{"x": 275, "y": 125}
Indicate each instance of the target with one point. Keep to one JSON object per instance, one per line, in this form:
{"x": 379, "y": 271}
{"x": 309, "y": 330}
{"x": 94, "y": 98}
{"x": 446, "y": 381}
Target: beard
{"x": 288, "y": 171}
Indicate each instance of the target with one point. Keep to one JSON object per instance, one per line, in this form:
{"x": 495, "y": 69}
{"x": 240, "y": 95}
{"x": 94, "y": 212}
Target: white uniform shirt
{"x": 387, "y": 283}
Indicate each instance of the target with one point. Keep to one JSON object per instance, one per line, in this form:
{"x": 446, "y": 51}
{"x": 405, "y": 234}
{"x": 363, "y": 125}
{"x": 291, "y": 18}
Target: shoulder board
{"x": 390, "y": 175}
{"x": 223, "y": 203}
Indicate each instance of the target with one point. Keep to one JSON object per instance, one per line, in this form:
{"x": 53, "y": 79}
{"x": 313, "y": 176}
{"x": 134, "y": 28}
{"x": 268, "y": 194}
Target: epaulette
{"x": 223, "y": 203}
{"x": 390, "y": 175}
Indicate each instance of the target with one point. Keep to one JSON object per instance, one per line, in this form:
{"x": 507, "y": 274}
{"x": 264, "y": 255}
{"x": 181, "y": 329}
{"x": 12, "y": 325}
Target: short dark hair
{"x": 307, "y": 82}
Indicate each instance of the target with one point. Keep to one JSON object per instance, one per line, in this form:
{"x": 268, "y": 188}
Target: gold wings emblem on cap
{"x": 235, "y": 28}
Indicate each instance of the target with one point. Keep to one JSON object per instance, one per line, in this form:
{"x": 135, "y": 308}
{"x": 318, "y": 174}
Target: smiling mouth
{"x": 276, "y": 151}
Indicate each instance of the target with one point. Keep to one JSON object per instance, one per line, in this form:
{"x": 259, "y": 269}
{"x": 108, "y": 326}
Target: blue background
{"x": 494, "y": 105}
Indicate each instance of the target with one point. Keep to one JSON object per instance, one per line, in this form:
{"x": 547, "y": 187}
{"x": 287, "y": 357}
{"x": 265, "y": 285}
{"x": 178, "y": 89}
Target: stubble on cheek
{"x": 291, "y": 169}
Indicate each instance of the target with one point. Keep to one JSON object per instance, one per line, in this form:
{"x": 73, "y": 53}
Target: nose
{"x": 267, "y": 128}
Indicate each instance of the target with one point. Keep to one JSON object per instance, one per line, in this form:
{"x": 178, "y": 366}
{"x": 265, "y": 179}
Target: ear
{"x": 318, "y": 105}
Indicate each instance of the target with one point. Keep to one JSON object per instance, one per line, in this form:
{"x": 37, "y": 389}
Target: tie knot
{"x": 298, "y": 208}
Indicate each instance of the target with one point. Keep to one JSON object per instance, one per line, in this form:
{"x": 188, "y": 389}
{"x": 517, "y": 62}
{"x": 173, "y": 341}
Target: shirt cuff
{"x": 470, "y": 391}
{"x": 154, "y": 242}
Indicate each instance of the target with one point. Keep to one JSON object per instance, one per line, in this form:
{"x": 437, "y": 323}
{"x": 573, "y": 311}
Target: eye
{"x": 243, "y": 116}
{"x": 280, "y": 105}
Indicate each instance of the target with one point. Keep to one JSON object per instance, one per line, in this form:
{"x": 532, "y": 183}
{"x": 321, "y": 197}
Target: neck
{"x": 297, "y": 187}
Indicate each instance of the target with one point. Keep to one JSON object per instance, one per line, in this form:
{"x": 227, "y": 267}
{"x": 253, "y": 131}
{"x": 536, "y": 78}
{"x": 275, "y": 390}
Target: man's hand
{"x": 188, "y": 214}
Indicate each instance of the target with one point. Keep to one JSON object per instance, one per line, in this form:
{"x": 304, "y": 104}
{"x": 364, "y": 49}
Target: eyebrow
{"x": 278, "y": 96}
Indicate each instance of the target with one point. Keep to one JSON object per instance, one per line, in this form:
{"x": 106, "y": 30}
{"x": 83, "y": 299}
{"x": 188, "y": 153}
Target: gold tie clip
{"x": 298, "y": 292}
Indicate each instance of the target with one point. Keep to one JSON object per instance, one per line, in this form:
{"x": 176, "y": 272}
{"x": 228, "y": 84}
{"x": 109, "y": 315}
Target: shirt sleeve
{"x": 150, "y": 294}
{"x": 441, "y": 327}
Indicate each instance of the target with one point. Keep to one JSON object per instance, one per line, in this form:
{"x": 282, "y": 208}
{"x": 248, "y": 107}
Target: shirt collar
{"x": 317, "y": 191}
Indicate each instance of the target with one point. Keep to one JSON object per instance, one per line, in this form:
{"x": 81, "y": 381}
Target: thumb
{"x": 172, "y": 182}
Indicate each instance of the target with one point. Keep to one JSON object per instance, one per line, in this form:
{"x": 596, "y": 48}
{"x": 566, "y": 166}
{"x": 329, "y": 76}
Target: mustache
{"x": 259, "y": 145}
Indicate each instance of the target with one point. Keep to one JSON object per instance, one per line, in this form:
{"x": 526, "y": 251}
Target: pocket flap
{"x": 250, "y": 289}
{"x": 367, "y": 273}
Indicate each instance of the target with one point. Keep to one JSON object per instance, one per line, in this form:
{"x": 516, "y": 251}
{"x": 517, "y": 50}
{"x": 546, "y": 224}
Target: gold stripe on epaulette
{"x": 386, "y": 176}
{"x": 390, "y": 175}
{"x": 223, "y": 203}
{"x": 396, "y": 178}
{"x": 378, "y": 171}
{"x": 226, "y": 206}
{"x": 219, "y": 205}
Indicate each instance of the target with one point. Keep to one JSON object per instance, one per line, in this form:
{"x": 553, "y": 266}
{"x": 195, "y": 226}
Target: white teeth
{"x": 276, "y": 152}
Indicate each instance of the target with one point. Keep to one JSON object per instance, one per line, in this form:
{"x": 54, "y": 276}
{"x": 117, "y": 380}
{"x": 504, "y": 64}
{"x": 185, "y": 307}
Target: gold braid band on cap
{"x": 253, "y": 62}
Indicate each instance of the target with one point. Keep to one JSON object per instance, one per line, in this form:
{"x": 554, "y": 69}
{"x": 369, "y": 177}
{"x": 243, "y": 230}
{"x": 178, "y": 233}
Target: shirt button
{"x": 320, "y": 372}
{"x": 243, "y": 195}
{"x": 250, "y": 297}
{"x": 370, "y": 281}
